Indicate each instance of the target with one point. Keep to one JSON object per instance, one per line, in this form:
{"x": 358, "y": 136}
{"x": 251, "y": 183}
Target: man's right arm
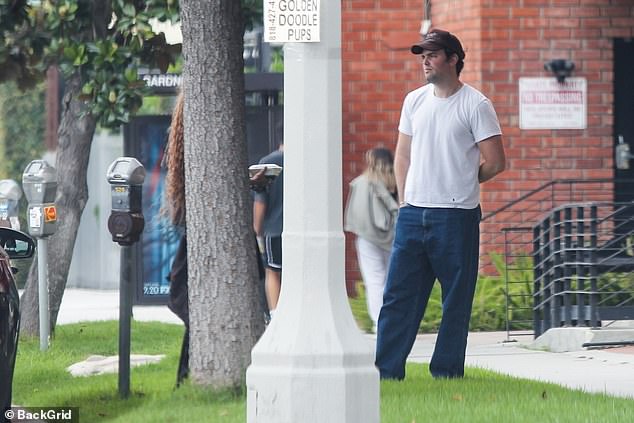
{"x": 259, "y": 210}
{"x": 401, "y": 164}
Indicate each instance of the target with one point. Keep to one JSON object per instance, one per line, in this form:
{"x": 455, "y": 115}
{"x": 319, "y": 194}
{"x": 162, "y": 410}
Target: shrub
{"x": 489, "y": 302}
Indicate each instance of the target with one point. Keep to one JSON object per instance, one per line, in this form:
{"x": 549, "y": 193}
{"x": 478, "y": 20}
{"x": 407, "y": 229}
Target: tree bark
{"x": 226, "y": 317}
{"x": 74, "y": 141}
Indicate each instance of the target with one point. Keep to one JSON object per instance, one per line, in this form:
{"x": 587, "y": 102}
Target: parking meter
{"x": 39, "y": 182}
{"x": 10, "y": 194}
{"x": 125, "y": 176}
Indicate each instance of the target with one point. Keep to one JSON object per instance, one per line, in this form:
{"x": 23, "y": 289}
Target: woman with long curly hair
{"x": 175, "y": 166}
{"x": 174, "y": 206}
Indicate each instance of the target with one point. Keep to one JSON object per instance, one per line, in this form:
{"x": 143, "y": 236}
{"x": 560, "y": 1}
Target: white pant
{"x": 373, "y": 262}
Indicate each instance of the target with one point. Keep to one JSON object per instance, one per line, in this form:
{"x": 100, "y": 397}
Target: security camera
{"x": 561, "y": 68}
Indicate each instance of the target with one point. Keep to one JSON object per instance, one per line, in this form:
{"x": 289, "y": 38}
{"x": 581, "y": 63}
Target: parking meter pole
{"x": 42, "y": 281}
{"x": 39, "y": 183}
{"x": 125, "y": 317}
{"x": 125, "y": 176}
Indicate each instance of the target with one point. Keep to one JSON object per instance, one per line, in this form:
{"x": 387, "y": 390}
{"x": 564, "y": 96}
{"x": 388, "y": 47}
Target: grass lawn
{"x": 41, "y": 380}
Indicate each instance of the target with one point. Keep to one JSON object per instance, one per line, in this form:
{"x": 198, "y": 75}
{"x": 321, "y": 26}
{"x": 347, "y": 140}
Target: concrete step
{"x": 574, "y": 338}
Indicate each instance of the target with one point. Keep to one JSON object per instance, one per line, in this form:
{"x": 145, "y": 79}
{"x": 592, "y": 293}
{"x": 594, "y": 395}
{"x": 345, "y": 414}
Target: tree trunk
{"x": 226, "y": 317}
{"x": 74, "y": 141}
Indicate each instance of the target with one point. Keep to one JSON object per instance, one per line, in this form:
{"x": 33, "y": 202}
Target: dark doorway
{"x": 623, "y": 147}
{"x": 623, "y": 115}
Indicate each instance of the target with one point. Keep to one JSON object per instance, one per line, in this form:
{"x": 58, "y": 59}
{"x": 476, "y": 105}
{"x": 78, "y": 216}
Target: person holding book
{"x": 267, "y": 224}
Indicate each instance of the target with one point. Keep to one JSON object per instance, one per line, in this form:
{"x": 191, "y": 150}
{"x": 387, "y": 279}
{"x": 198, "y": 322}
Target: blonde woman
{"x": 371, "y": 213}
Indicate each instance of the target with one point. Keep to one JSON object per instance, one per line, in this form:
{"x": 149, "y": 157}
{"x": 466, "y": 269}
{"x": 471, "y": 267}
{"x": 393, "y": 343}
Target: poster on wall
{"x": 547, "y": 104}
{"x": 146, "y": 140}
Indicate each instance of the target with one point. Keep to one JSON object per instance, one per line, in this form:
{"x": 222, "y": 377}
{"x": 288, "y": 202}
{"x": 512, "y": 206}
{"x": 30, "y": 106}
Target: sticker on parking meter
{"x": 291, "y": 21}
{"x": 50, "y": 214}
{"x": 35, "y": 217}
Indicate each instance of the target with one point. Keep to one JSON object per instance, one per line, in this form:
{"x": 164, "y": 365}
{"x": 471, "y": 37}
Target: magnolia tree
{"x": 98, "y": 45}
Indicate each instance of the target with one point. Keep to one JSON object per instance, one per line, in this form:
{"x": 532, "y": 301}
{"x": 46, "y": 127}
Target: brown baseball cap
{"x": 438, "y": 39}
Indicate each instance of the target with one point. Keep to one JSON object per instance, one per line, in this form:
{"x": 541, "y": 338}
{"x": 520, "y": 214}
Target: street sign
{"x": 291, "y": 21}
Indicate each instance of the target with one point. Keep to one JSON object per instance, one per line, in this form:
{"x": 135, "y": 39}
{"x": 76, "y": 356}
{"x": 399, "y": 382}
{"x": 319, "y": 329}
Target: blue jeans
{"x": 430, "y": 244}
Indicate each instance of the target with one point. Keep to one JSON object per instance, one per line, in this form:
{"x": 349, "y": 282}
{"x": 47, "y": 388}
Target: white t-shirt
{"x": 444, "y": 156}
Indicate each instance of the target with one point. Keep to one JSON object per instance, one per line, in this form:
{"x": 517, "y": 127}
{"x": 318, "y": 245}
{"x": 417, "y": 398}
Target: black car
{"x": 13, "y": 245}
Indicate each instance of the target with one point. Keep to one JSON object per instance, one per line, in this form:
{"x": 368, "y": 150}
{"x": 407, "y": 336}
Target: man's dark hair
{"x": 459, "y": 64}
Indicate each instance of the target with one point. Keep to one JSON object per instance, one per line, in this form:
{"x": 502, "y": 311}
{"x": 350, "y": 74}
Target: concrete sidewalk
{"x": 95, "y": 304}
{"x": 607, "y": 371}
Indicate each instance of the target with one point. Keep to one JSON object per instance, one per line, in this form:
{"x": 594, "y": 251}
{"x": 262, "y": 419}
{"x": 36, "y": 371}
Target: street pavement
{"x": 609, "y": 371}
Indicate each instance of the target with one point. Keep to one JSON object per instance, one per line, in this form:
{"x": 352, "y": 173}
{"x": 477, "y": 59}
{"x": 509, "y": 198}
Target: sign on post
{"x": 548, "y": 104}
{"x": 291, "y": 21}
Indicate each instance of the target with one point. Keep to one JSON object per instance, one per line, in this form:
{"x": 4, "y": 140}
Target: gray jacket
{"x": 371, "y": 212}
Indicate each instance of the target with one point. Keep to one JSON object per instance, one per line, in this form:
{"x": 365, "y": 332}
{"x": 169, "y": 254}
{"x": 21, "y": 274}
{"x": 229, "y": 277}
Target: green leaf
{"x": 129, "y": 10}
{"x": 70, "y": 53}
{"x": 87, "y": 88}
{"x": 92, "y": 48}
{"x": 144, "y": 27}
{"x": 130, "y": 74}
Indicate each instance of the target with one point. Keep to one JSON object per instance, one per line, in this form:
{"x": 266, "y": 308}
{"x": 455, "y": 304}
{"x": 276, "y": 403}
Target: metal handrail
{"x": 517, "y": 217}
{"x": 558, "y": 265}
{"x": 548, "y": 185}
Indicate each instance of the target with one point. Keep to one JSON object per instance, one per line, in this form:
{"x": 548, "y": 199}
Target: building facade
{"x": 505, "y": 40}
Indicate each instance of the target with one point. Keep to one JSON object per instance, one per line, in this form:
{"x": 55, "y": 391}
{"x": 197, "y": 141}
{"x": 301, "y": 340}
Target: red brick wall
{"x": 504, "y": 40}
{"x": 516, "y": 42}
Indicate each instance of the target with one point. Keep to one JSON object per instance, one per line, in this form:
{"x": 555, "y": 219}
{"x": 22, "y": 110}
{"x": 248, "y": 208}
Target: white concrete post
{"x": 312, "y": 364}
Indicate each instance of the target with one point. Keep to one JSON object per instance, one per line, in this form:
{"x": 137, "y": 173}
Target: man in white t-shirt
{"x": 449, "y": 142}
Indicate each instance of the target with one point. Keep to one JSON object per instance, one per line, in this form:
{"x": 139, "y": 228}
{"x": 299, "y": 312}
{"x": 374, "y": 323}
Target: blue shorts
{"x": 273, "y": 252}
